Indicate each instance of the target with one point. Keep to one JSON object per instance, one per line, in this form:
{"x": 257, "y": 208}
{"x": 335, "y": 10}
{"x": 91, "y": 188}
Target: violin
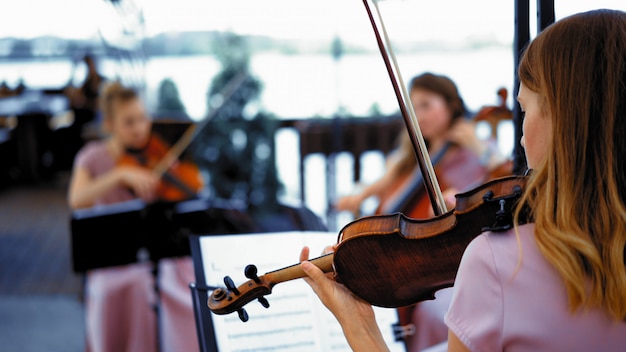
{"x": 392, "y": 260}
{"x": 180, "y": 181}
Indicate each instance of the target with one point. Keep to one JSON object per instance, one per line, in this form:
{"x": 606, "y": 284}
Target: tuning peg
{"x": 264, "y": 302}
{"x": 251, "y": 273}
{"x": 230, "y": 285}
{"x": 243, "y": 315}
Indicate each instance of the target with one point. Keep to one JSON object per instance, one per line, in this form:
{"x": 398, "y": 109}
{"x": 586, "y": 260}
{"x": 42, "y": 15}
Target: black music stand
{"x": 130, "y": 232}
{"x": 106, "y": 236}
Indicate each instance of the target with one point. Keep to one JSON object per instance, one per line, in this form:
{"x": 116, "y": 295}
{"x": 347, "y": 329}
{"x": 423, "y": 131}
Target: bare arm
{"x": 454, "y": 344}
{"x": 353, "y": 202}
{"x": 85, "y": 190}
{"x": 463, "y": 133}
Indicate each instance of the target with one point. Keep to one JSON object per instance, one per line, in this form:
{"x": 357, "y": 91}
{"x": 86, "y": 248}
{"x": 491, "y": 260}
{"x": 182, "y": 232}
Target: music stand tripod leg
{"x": 157, "y": 303}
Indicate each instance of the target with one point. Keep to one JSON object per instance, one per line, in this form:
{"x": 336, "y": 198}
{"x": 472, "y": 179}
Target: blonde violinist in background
{"x": 461, "y": 161}
{"x": 119, "y": 300}
{"x": 559, "y": 283}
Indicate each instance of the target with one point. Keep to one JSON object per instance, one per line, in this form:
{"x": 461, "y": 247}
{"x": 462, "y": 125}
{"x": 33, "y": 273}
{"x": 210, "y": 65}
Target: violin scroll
{"x": 231, "y": 298}
{"x": 251, "y": 273}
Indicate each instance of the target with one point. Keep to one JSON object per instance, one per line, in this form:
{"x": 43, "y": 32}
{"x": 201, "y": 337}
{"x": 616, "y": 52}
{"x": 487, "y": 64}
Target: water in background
{"x": 301, "y": 86}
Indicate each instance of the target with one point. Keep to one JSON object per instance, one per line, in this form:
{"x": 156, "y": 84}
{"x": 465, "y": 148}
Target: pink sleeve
{"x": 86, "y": 157}
{"x": 475, "y": 315}
{"x": 79, "y": 159}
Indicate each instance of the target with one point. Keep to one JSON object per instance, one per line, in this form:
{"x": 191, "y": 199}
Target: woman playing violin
{"x": 463, "y": 161}
{"x": 119, "y": 300}
{"x": 559, "y": 283}
{"x": 450, "y": 138}
{"x": 95, "y": 179}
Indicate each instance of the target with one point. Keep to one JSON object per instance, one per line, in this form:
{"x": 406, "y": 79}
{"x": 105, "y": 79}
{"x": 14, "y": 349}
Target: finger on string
{"x": 311, "y": 279}
{"x": 304, "y": 254}
{"x": 313, "y": 272}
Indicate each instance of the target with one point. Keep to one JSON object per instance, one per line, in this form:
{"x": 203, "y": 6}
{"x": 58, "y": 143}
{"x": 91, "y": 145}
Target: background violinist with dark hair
{"x": 461, "y": 160}
{"x": 451, "y": 141}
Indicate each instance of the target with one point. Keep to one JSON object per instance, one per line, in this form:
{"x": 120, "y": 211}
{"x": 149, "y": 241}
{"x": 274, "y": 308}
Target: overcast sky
{"x": 415, "y": 20}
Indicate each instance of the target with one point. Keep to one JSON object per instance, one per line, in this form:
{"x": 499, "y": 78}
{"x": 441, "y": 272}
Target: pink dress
{"x": 120, "y": 301}
{"x": 497, "y": 306}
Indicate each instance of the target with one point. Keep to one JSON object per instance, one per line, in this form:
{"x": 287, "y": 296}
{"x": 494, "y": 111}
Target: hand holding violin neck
{"x": 232, "y": 299}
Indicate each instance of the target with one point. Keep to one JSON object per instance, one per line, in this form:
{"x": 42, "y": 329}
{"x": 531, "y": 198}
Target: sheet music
{"x": 296, "y": 319}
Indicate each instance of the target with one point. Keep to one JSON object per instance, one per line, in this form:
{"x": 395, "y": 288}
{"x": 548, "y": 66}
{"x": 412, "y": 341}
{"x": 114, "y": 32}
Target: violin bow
{"x": 194, "y": 130}
{"x": 406, "y": 109}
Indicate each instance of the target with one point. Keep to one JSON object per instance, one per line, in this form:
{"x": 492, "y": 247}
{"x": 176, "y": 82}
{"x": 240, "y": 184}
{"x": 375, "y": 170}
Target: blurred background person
{"x": 83, "y": 102}
{"x": 451, "y": 141}
{"x": 120, "y": 301}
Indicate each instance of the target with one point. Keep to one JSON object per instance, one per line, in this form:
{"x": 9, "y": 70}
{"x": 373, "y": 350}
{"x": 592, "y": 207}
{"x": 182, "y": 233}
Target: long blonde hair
{"x": 577, "y": 194}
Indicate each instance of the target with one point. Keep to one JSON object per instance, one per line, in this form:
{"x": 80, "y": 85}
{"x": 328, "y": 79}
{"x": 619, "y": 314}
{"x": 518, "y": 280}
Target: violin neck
{"x": 325, "y": 263}
{"x": 175, "y": 151}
